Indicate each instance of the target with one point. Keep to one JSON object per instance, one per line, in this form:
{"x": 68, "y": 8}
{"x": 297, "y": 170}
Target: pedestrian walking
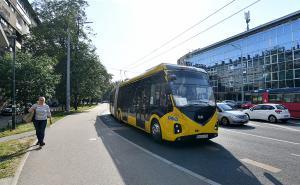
{"x": 41, "y": 113}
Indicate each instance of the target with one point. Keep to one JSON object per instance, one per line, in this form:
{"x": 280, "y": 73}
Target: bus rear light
{"x": 278, "y": 111}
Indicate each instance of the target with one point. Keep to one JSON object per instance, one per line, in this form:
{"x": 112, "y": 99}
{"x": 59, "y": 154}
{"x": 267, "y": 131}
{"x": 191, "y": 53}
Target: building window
{"x": 281, "y": 66}
{"x": 280, "y": 57}
{"x": 297, "y": 73}
{"x": 274, "y": 76}
{"x": 274, "y": 59}
{"x": 288, "y": 55}
{"x": 289, "y": 65}
{"x": 297, "y": 84}
{"x": 290, "y": 83}
{"x": 250, "y": 64}
{"x": 297, "y": 64}
{"x": 282, "y": 84}
{"x": 282, "y": 75}
{"x": 274, "y": 67}
{"x": 267, "y": 59}
{"x": 297, "y": 54}
{"x": 289, "y": 74}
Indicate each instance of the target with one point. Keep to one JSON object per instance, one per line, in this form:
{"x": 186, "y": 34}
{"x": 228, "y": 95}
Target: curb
{"x": 20, "y": 167}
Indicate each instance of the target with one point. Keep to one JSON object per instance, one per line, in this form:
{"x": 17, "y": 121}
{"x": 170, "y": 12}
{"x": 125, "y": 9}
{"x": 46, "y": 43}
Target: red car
{"x": 247, "y": 105}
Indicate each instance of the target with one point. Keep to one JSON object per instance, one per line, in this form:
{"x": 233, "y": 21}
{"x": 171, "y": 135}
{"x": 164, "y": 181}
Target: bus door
{"x": 141, "y": 107}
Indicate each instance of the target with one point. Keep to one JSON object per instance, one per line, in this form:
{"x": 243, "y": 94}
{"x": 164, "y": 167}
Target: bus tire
{"x": 272, "y": 119}
{"x": 156, "y": 131}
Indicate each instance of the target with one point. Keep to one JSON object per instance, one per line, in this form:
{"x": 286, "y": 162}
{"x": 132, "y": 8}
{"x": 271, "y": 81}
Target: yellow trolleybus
{"x": 170, "y": 102}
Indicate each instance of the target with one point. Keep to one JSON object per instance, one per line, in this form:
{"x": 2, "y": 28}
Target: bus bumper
{"x": 203, "y": 136}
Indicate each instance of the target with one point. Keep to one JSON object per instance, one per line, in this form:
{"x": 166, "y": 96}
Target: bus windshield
{"x": 191, "y": 88}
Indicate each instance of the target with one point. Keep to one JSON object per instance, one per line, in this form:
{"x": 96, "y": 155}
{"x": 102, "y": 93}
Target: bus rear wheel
{"x": 156, "y": 131}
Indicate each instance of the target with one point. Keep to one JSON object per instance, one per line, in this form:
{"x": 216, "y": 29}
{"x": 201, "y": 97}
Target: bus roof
{"x": 162, "y": 67}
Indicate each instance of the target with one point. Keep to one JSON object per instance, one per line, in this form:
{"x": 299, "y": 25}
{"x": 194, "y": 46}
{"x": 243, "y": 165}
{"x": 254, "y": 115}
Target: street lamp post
{"x": 242, "y": 75}
{"x": 13, "y": 46}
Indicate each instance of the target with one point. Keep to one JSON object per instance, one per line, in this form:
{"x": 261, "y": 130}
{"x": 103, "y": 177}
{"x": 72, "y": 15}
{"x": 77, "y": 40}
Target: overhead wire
{"x": 181, "y": 33}
{"x": 219, "y": 22}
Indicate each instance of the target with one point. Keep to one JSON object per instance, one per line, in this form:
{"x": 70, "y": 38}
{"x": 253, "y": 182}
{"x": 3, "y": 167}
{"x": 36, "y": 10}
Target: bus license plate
{"x": 202, "y": 136}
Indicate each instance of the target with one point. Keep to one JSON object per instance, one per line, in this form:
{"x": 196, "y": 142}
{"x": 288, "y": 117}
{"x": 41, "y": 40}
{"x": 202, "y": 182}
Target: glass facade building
{"x": 265, "y": 57}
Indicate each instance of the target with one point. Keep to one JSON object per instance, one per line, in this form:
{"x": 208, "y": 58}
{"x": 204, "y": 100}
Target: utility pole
{"x": 13, "y": 45}
{"x": 76, "y": 93}
{"x": 68, "y": 73}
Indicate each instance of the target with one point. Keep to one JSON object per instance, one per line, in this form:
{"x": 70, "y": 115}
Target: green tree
{"x": 58, "y": 17}
{"x": 34, "y": 77}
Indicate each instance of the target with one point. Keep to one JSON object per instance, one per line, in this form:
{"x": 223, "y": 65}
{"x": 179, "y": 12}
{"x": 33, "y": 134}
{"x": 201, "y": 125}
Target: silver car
{"x": 228, "y": 116}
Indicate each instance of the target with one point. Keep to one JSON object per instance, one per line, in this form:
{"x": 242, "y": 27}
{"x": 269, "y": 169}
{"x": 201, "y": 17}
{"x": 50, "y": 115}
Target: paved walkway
{"x": 73, "y": 154}
{"x": 17, "y": 136}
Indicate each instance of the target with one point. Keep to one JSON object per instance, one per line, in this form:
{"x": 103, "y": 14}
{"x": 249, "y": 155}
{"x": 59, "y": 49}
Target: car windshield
{"x": 191, "y": 88}
{"x": 224, "y": 107}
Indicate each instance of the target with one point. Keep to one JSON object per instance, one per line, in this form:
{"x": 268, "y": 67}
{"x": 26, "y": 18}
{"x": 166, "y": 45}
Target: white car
{"x": 269, "y": 112}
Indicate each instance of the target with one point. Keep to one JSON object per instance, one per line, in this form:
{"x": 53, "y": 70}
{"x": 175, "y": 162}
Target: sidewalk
{"x": 17, "y": 136}
{"x": 73, "y": 154}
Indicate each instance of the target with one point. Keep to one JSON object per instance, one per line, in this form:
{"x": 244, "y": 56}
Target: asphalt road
{"x": 256, "y": 153}
{"x": 94, "y": 148}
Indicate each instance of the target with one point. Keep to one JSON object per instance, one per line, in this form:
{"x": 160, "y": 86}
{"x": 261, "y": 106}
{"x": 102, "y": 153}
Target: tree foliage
{"x": 34, "y": 77}
{"x": 89, "y": 77}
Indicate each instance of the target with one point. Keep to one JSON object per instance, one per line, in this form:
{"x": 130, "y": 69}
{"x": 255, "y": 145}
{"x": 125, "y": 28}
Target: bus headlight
{"x": 217, "y": 125}
{"x": 177, "y": 128}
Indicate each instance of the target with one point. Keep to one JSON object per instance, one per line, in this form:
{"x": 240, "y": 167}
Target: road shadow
{"x": 238, "y": 127}
{"x": 206, "y": 158}
{"x": 272, "y": 179}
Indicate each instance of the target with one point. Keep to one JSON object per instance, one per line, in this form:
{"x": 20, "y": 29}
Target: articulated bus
{"x": 170, "y": 102}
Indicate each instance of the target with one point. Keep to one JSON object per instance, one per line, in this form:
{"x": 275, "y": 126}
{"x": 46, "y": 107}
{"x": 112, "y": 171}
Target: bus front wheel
{"x": 156, "y": 131}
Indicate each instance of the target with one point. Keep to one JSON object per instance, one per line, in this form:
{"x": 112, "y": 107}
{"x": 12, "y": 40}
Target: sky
{"x": 130, "y": 30}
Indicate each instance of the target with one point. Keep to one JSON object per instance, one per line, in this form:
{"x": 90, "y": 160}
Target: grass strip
{"x": 11, "y": 153}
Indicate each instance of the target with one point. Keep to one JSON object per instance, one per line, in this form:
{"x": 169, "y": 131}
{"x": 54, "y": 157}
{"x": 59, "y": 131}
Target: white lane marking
{"x": 270, "y": 138}
{"x": 261, "y": 165}
{"x": 92, "y": 139}
{"x": 295, "y": 155}
{"x": 275, "y": 127}
{"x": 170, "y": 163}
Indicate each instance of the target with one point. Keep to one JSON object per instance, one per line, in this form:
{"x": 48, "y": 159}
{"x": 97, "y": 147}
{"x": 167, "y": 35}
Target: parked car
{"x": 247, "y": 105}
{"x": 231, "y": 103}
{"x": 227, "y": 115}
{"x": 268, "y": 112}
{"x": 7, "y": 111}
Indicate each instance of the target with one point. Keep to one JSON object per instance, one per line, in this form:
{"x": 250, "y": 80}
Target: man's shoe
{"x": 37, "y": 143}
